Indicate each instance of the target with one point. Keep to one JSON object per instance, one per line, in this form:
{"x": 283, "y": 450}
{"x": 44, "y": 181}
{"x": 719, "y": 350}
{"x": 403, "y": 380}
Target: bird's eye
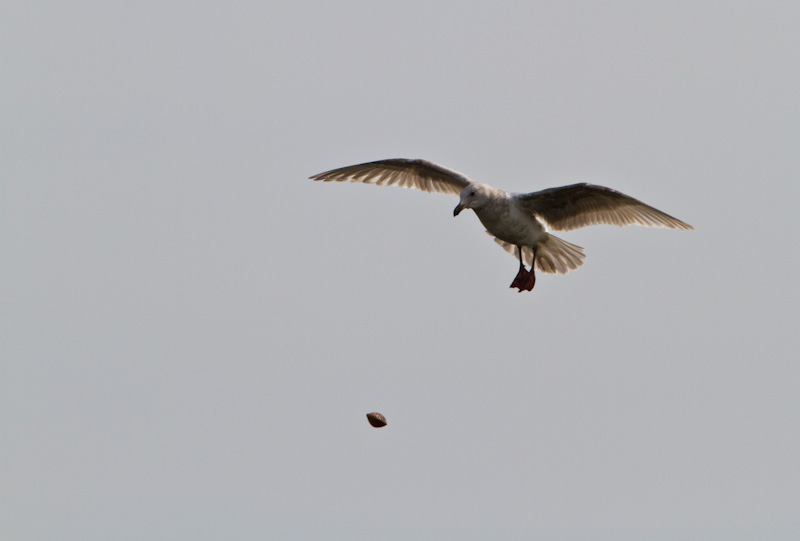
{"x": 472, "y": 193}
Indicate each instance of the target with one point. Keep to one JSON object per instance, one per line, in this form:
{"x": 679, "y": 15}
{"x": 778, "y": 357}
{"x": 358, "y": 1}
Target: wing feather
{"x": 579, "y": 205}
{"x": 420, "y": 174}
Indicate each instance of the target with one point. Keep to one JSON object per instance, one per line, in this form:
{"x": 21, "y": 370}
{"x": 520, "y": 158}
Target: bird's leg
{"x": 524, "y": 280}
{"x": 533, "y": 268}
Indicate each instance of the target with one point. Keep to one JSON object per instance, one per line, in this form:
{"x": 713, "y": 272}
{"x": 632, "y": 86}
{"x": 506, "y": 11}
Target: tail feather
{"x": 552, "y": 256}
{"x": 556, "y": 255}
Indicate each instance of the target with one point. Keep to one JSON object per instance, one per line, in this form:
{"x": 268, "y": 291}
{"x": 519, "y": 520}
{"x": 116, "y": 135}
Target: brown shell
{"x": 376, "y": 419}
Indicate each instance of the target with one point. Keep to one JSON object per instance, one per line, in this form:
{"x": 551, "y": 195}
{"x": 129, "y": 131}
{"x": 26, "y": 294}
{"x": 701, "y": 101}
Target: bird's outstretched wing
{"x": 421, "y": 174}
{"x": 579, "y": 205}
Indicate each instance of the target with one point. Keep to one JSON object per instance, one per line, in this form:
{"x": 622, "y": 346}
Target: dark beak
{"x": 458, "y": 209}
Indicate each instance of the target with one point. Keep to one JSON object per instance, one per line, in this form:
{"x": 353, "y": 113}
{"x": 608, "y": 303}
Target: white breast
{"x": 510, "y": 223}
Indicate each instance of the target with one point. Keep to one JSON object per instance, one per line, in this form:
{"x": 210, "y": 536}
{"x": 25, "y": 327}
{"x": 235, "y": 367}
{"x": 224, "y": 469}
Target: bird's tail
{"x": 552, "y": 256}
{"x": 556, "y": 255}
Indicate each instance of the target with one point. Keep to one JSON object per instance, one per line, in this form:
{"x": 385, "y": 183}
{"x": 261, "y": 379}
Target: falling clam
{"x": 376, "y": 419}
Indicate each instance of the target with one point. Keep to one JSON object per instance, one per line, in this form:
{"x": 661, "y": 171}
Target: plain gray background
{"x": 193, "y": 332}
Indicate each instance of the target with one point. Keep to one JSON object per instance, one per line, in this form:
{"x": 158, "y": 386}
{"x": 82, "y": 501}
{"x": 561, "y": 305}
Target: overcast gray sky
{"x": 193, "y": 331}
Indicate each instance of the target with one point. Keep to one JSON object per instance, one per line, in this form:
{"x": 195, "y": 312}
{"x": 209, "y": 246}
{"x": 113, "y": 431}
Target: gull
{"x": 519, "y": 222}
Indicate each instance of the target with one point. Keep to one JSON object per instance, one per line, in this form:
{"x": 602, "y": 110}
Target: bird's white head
{"x": 473, "y": 196}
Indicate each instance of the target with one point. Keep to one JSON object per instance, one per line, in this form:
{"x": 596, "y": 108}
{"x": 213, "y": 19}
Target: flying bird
{"x": 519, "y": 222}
